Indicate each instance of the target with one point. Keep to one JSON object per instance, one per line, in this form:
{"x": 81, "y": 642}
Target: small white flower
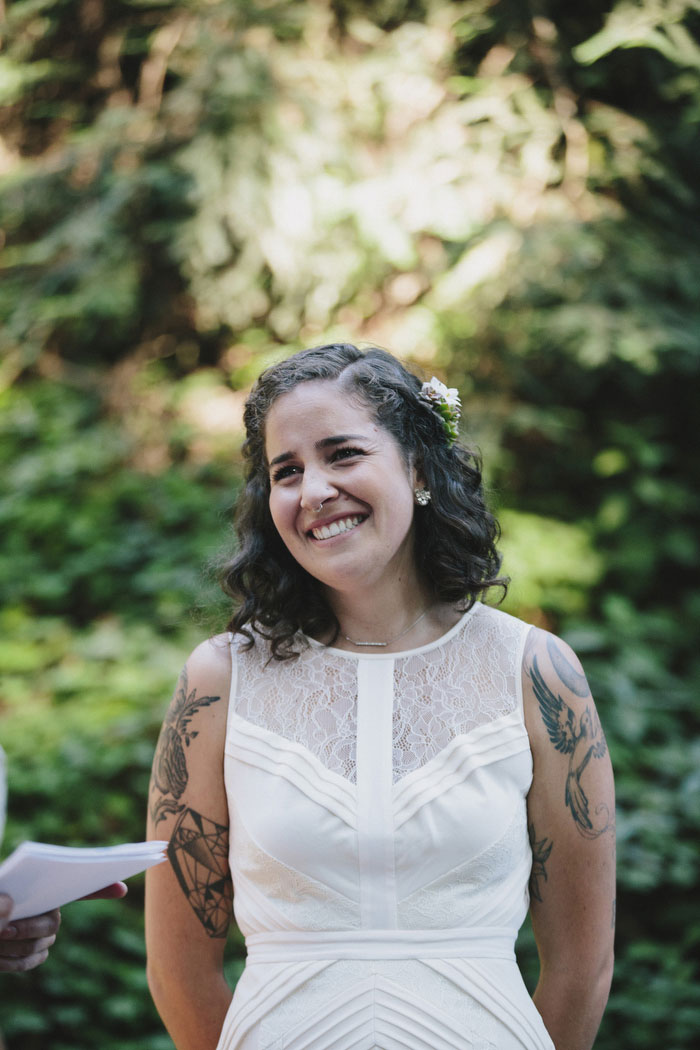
{"x": 452, "y": 397}
{"x": 437, "y": 391}
{"x": 445, "y": 402}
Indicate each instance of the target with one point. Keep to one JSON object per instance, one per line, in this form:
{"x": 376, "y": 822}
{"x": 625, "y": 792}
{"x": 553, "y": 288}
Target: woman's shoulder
{"x": 210, "y": 663}
{"x": 215, "y": 657}
{"x": 544, "y": 647}
{"x": 539, "y": 646}
{"x": 555, "y": 688}
{"x": 495, "y": 618}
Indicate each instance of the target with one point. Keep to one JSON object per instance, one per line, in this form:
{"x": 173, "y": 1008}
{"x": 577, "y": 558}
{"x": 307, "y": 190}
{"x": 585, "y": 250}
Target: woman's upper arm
{"x": 190, "y": 899}
{"x": 571, "y": 811}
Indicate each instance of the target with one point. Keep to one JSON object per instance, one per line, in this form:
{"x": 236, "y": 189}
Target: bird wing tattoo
{"x": 581, "y": 739}
{"x": 557, "y": 716}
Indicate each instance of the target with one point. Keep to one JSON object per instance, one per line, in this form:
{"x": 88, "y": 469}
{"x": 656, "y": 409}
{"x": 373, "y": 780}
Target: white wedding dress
{"x": 379, "y": 848}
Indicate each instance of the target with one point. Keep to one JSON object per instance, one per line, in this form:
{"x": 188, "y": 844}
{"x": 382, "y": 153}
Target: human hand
{"x": 25, "y": 943}
{"x": 115, "y": 891}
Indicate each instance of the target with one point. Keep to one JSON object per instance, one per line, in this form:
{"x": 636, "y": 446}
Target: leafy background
{"x": 505, "y": 194}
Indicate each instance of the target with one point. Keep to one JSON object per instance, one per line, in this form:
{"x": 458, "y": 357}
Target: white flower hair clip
{"x": 445, "y": 401}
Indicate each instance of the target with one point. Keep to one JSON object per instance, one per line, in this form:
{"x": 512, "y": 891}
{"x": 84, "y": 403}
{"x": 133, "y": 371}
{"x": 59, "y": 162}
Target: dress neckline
{"x": 400, "y": 653}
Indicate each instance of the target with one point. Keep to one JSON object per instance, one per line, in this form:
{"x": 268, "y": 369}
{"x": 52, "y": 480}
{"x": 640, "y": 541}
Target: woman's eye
{"x": 284, "y": 472}
{"x": 347, "y": 452}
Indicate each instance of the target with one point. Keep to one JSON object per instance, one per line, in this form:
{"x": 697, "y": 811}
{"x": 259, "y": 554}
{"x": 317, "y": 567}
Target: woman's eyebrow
{"x": 337, "y": 439}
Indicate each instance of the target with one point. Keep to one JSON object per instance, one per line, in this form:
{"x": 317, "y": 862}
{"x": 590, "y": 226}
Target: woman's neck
{"x": 399, "y": 617}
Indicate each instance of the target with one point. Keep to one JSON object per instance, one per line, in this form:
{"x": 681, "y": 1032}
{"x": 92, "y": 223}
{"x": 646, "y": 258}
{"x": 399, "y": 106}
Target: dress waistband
{"x": 474, "y": 942}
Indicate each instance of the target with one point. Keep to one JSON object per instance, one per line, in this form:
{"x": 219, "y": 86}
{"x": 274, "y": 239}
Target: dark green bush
{"x": 85, "y": 533}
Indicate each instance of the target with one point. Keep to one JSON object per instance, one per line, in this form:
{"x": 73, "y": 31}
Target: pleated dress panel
{"x": 379, "y": 847}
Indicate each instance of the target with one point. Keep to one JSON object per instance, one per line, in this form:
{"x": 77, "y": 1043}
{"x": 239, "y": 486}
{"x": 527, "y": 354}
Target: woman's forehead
{"x": 314, "y": 400}
{"x": 313, "y": 410}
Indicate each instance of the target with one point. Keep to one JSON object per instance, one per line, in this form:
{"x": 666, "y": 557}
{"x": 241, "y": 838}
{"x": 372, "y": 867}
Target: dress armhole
{"x": 233, "y": 689}
{"x": 519, "y": 670}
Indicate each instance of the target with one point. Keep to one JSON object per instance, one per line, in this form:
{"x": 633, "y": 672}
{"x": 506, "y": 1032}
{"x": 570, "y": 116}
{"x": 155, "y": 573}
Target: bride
{"x": 387, "y": 771}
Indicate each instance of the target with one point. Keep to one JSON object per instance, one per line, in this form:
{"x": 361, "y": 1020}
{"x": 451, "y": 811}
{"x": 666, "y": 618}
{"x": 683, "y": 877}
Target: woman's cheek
{"x": 282, "y": 511}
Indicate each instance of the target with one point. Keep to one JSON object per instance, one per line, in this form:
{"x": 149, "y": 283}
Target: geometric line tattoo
{"x": 198, "y": 852}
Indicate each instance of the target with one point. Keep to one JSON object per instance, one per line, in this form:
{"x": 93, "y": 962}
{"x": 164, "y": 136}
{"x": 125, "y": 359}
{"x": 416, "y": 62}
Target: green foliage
{"x": 87, "y": 533}
{"x": 551, "y": 563}
{"x": 507, "y": 195}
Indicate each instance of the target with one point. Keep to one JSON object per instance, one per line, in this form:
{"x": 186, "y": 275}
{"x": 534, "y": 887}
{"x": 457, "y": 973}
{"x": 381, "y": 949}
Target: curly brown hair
{"x": 455, "y": 535}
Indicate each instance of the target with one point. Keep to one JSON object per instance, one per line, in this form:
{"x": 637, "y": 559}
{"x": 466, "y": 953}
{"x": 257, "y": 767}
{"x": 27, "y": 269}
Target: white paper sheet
{"x": 40, "y": 877}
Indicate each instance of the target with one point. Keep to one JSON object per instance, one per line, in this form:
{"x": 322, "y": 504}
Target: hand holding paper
{"x": 41, "y": 877}
{"x": 25, "y": 943}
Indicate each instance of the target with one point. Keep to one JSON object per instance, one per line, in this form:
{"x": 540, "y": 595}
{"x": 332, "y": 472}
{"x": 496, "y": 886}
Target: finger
{"x": 32, "y": 928}
{"x": 20, "y": 964}
{"x": 116, "y": 891}
{"x": 21, "y": 949}
{"x": 5, "y": 908}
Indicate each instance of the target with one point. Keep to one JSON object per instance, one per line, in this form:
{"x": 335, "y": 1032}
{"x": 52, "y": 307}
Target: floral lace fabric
{"x": 440, "y": 693}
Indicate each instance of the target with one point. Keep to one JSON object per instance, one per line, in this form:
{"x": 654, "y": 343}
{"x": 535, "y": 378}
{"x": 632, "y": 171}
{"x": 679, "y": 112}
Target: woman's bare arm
{"x": 189, "y": 900}
{"x": 571, "y": 818}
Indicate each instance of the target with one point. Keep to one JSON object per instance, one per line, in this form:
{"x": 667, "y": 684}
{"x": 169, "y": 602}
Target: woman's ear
{"x": 417, "y": 475}
{"x": 419, "y": 483}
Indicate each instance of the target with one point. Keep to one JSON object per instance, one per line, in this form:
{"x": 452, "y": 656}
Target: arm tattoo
{"x": 198, "y": 852}
{"x": 170, "y": 765}
{"x": 580, "y": 738}
{"x": 540, "y": 855}
{"x": 572, "y": 679}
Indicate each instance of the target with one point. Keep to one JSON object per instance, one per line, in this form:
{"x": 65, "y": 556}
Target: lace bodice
{"x": 445, "y": 689}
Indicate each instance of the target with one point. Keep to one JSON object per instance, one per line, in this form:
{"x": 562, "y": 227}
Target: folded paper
{"x": 40, "y": 877}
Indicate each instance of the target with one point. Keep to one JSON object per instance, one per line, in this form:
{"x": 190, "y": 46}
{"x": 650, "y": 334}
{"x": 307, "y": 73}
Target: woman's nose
{"x": 315, "y": 490}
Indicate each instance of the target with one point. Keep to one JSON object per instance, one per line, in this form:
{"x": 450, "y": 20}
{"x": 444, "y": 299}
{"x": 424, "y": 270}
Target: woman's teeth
{"x": 336, "y": 527}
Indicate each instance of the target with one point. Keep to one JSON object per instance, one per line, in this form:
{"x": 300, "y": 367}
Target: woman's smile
{"x": 336, "y": 527}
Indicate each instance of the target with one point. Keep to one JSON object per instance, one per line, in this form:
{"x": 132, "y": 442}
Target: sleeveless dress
{"x": 379, "y": 848}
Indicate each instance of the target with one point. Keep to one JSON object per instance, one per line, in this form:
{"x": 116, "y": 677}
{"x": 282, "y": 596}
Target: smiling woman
{"x": 372, "y": 762}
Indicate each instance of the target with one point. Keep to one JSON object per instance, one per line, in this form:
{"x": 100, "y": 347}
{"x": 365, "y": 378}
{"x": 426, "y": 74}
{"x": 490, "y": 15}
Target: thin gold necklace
{"x": 382, "y": 645}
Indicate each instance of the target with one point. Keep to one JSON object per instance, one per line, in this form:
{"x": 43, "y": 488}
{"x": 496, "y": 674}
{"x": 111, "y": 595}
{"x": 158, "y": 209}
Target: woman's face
{"x": 324, "y": 447}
